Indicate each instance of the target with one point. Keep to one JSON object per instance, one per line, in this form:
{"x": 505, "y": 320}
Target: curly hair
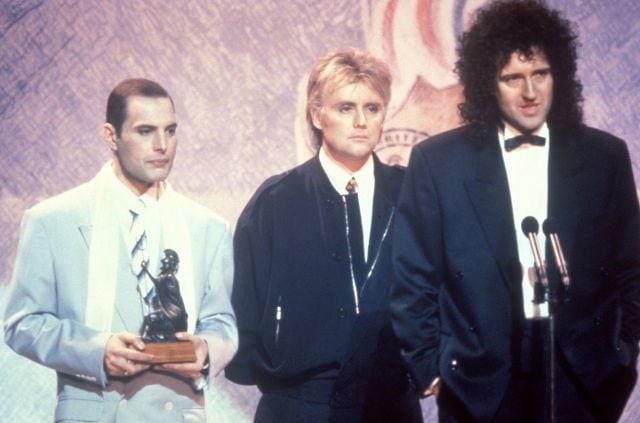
{"x": 499, "y": 30}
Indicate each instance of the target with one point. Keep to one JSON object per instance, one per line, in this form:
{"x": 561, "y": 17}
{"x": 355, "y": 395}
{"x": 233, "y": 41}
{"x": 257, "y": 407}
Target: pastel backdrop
{"x": 236, "y": 70}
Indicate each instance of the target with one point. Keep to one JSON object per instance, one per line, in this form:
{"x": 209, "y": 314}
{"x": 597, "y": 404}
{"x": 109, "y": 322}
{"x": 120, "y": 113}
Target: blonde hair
{"x": 343, "y": 67}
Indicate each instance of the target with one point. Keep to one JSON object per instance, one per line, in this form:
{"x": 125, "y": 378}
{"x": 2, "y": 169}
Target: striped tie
{"x": 137, "y": 243}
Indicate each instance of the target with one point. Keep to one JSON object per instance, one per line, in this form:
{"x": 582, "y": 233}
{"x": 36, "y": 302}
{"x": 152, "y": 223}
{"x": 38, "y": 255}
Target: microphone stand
{"x": 542, "y": 293}
{"x": 551, "y": 300}
{"x": 552, "y": 357}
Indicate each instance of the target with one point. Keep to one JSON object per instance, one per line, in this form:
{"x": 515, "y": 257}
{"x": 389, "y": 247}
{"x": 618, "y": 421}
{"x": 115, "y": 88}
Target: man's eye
{"x": 345, "y": 109}
{"x": 541, "y": 75}
{"x": 511, "y": 80}
{"x": 373, "y": 108}
{"x": 144, "y": 131}
{"x": 171, "y": 131}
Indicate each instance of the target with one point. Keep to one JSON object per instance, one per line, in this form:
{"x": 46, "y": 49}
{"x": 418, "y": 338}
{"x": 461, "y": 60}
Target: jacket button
{"x": 459, "y": 276}
{"x": 453, "y": 365}
{"x": 472, "y": 329}
{"x": 598, "y": 321}
{"x": 604, "y": 271}
{"x": 168, "y": 406}
{"x": 336, "y": 256}
{"x": 341, "y": 313}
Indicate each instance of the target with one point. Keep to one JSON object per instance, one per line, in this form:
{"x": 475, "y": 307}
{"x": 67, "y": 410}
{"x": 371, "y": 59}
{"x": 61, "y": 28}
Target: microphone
{"x": 550, "y": 229}
{"x": 530, "y": 228}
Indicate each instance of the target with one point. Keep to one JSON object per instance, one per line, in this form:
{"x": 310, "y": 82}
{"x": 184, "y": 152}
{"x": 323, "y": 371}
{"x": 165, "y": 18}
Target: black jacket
{"x": 293, "y": 294}
{"x": 457, "y": 303}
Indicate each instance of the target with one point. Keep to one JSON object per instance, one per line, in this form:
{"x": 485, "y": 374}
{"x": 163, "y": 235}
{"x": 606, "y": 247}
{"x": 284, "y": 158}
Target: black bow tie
{"x": 515, "y": 142}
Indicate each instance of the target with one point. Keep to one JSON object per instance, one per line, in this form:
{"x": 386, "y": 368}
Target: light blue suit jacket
{"x": 46, "y": 312}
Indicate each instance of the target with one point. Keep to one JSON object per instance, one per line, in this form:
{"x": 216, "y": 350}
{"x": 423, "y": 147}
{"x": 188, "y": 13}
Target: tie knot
{"x": 352, "y": 186}
{"x": 137, "y": 207}
{"x": 515, "y": 142}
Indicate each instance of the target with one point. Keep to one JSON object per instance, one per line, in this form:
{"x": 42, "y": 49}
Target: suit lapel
{"x": 86, "y": 214}
{"x": 489, "y": 194}
{"x": 85, "y": 233}
{"x": 566, "y": 188}
{"x": 127, "y": 305}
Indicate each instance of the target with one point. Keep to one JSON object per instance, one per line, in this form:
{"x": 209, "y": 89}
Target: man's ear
{"x": 316, "y": 117}
{"x": 109, "y": 136}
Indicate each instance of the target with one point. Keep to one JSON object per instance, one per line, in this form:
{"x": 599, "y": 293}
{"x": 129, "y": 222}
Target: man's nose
{"x": 360, "y": 120}
{"x": 160, "y": 142}
{"x": 529, "y": 89}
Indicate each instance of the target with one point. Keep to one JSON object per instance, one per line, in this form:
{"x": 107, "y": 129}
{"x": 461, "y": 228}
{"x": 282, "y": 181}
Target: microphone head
{"x": 530, "y": 225}
{"x": 550, "y": 226}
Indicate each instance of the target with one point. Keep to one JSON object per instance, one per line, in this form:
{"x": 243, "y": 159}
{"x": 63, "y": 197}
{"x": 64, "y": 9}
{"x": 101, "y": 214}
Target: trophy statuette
{"x": 167, "y": 315}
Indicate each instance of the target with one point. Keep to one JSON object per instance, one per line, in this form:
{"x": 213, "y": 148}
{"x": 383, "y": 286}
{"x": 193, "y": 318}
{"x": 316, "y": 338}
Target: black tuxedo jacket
{"x": 294, "y": 301}
{"x": 456, "y": 300}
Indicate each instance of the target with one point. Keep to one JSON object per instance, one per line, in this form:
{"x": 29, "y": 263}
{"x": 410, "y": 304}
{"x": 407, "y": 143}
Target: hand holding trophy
{"x": 167, "y": 315}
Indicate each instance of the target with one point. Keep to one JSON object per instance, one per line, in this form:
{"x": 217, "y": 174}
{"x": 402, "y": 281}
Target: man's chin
{"x": 528, "y": 126}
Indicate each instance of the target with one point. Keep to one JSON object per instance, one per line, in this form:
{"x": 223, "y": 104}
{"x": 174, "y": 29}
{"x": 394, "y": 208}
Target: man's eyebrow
{"x": 510, "y": 75}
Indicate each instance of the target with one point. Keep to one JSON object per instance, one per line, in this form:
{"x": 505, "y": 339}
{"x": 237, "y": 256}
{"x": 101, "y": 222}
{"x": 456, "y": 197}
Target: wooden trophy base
{"x": 171, "y": 352}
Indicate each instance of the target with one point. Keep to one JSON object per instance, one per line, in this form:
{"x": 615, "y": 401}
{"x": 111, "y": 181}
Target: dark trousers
{"x": 290, "y": 407}
{"x": 527, "y": 398}
{"x": 278, "y": 408}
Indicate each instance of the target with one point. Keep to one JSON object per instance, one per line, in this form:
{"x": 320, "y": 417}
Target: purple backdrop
{"x": 235, "y": 69}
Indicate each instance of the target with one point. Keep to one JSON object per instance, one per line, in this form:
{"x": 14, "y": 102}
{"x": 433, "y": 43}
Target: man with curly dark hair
{"x": 491, "y": 335}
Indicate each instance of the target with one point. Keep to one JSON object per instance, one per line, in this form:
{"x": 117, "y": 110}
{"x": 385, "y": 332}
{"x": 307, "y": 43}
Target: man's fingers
{"x": 125, "y": 356}
{"x": 131, "y": 340}
{"x": 137, "y": 356}
{"x": 125, "y": 367}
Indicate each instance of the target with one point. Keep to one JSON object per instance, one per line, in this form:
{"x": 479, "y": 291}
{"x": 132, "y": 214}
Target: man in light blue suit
{"x": 79, "y": 298}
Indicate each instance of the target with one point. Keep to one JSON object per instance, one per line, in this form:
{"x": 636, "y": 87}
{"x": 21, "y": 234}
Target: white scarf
{"x": 104, "y": 250}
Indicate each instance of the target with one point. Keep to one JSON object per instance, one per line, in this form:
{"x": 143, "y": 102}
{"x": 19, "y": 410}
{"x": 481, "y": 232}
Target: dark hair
{"x": 117, "y": 102}
{"x": 343, "y": 67}
{"x": 505, "y": 27}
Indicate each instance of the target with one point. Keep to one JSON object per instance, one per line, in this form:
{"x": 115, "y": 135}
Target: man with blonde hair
{"x": 312, "y": 249}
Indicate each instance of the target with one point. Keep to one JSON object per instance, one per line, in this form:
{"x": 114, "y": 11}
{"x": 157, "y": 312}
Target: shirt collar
{"x": 119, "y": 193}
{"x": 339, "y": 176}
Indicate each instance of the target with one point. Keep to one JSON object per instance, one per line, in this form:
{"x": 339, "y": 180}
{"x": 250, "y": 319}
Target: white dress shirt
{"x": 365, "y": 178}
{"x": 527, "y": 172}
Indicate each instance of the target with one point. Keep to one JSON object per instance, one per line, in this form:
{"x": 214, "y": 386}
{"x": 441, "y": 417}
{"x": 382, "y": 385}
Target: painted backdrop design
{"x": 236, "y": 70}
